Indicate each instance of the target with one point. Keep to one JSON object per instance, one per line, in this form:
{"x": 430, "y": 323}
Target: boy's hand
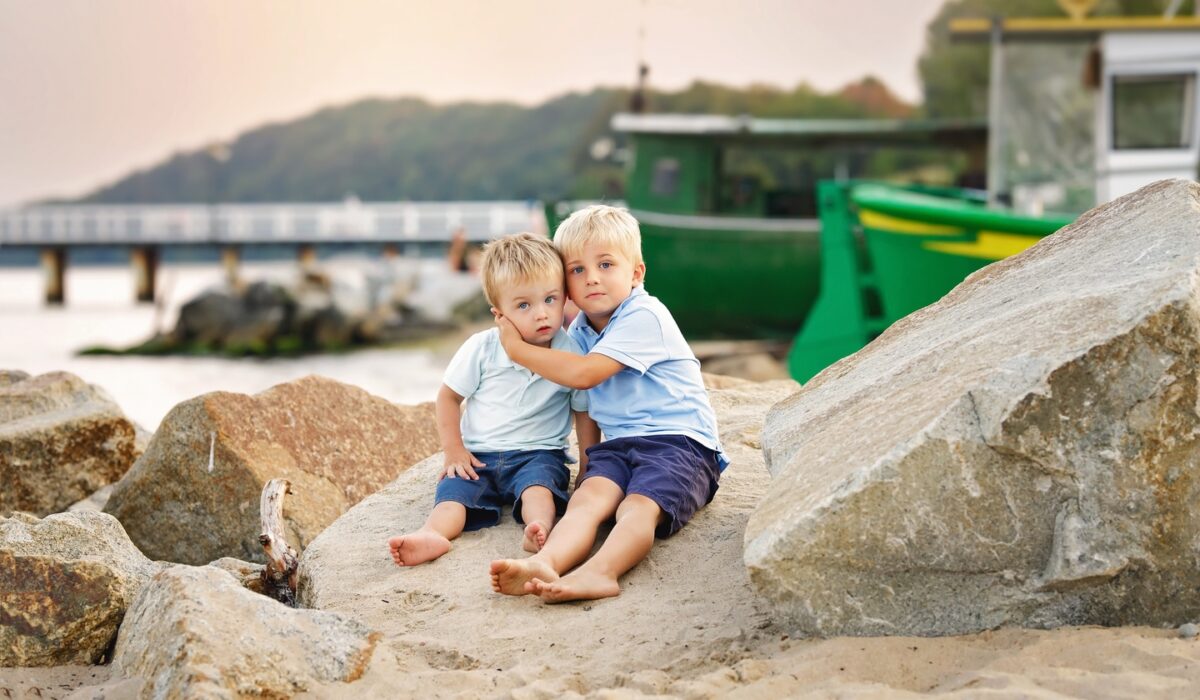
{"x": 509, "y": 335}
{"x": 461, "y": 463}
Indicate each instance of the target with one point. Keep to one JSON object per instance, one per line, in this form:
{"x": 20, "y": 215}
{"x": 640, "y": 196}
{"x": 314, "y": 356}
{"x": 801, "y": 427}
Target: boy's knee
{"x": 539, "y": 495}
{"x": 638, "y": 506}
{"x": 597, "y": 496}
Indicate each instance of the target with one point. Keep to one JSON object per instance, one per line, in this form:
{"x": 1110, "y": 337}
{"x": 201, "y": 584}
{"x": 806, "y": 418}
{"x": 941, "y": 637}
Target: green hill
{"x": 408, "y": 148}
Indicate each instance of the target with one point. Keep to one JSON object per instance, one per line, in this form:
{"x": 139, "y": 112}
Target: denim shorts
{"x": 502, "y": 480}
{"x": 676, "y": 472}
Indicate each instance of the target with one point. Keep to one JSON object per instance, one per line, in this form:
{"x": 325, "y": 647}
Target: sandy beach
{"x": 687, "y": 624}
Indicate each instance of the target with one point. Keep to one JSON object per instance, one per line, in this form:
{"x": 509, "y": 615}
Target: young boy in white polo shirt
{"x": 661, "y": 459}
{"x": 508, "y": 445}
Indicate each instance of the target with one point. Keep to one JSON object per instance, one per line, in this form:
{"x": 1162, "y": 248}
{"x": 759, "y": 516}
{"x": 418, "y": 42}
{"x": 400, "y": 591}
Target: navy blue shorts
{"x": 502, "y": 480}
{"x": 676, "y": 472}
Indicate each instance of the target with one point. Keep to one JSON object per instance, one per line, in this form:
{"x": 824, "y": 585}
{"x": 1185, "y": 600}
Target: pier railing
{"x": 146, "y": 229}
{"x": 346, "y": 222}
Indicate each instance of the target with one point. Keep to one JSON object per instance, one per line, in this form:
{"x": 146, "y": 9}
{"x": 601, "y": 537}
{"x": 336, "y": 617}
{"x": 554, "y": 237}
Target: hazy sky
{"x": 90, "y": 89}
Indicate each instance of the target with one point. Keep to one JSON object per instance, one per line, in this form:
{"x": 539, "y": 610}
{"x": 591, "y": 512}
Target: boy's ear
{"x": 639, "y": 273}
{"x": 495, "y": 313}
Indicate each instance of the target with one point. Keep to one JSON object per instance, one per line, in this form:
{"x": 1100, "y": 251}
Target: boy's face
{"x": 535, "y": 307}
{"x": 599, "y": 279}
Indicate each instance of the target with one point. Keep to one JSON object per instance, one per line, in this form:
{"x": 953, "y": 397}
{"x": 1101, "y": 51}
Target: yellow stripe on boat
{"x": 891, "y": 224}
{"x": 990, "y": 245}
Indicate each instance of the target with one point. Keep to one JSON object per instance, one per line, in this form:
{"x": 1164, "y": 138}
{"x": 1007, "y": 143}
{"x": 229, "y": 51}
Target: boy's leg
{"x": 628, "y": 543}
{"x": 445, "y": 522}
{"x": 593, "y": 502}
{"x": 538, "y": 511}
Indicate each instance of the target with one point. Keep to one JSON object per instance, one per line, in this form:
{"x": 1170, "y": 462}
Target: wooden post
{"x": 54, "y": 272}
{"x": 279, "y": 577}
{"x": 230, "y": 256}
{"x": 306, "y": 253}
{"x": 145, "y": 270}
{"x": 390, "y": 250}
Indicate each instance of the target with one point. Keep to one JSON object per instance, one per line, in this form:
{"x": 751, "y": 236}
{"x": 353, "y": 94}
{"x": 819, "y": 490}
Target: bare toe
{"x": 535, "y": 537}
{"x": 417, "y": 548}
{"x": 511, "y": 576}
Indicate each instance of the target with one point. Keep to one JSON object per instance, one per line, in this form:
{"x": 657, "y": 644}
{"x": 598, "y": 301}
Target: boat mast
{"x": 637, "y": 101}
{"x": 995, "y": 164}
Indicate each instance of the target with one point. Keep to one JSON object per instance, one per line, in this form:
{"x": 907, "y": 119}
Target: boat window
{"x": 1153, "y": 111}
{"x": 666, "y": 177}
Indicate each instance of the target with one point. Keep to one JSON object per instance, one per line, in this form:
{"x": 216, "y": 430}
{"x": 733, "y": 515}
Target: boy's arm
{"x": 459, "y": 461}
{"x": 559, "y": 366}
{"x": 588, "y": 433}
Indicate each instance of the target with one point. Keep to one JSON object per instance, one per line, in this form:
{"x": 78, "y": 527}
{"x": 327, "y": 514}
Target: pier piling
{"x": 54, "y": 272}
{"x": 306, "y": 253}
{"x": 144, "y": 260}
{"x": 230, "y": 257}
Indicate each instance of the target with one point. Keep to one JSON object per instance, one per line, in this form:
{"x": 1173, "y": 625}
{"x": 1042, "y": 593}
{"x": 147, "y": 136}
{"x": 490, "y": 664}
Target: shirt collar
{"x": 582, "y": 324}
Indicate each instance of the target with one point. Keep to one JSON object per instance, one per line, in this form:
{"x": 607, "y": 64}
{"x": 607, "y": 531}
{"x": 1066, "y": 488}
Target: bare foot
{"x": 577, "y": 585}
{"x": 417, "y": 547}
{"x": 511, "y": 576}
{"x": 535, "y": 536}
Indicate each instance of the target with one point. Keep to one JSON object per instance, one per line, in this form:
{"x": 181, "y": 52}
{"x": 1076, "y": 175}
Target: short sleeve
{"x": 465, "y": 368}
{"x": 634, "y": 339}
{"x": 579, "y": 400}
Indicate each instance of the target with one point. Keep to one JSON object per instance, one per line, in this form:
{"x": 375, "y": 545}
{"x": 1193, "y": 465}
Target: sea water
{"x": 100, "y": 310}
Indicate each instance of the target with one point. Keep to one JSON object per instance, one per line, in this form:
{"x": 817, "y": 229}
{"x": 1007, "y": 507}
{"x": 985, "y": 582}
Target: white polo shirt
{"x": 508, "y": 407}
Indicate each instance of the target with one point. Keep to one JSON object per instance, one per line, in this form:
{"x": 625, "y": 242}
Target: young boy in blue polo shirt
{"x": 508, "y": 446}
{"x": 661, "y": 459}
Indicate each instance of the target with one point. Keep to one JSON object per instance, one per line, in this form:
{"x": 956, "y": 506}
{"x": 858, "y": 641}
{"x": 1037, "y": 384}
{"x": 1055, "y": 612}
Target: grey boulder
{"x": 195, "y": 632}
{"x": 1024, "y": 452}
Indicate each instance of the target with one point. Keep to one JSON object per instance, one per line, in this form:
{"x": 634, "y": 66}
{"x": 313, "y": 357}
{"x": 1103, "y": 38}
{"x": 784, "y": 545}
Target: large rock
{"x": 689, "y": 602}
{"x": 193, "y": 496}
{"x": 65, "y": 584}
{"x": 195, "y": 632}
{"x": 1023, "y": 452}
{"x": 61, "y": 439}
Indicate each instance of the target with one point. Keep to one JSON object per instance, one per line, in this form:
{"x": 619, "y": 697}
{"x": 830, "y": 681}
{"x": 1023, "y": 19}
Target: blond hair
{"x": 602, "y": 224}
{"x": 516, "y": 258}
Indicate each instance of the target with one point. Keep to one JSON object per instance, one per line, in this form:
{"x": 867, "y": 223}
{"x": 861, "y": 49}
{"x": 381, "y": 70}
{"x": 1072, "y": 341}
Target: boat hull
{"x": 888, "y": 251}
{"x": 725, "y": 277}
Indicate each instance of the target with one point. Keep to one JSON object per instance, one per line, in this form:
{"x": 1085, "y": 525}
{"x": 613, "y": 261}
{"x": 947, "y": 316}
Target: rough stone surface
{"x": 94, "y": 502}
{"x": 194, "y": 632}
{"x": 61, "y": 439}
{"x": 1023, "y": 452}
{"x": 65, "y": 583}
{"x": 193, "y": 496}
{"x": 689, "y": 602}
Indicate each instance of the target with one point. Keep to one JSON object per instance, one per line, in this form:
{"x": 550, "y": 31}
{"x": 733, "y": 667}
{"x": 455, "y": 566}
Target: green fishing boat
{"x": 834, "y": 264}
{"x": 730, "y": 257}
{"x": 887, "y": 251}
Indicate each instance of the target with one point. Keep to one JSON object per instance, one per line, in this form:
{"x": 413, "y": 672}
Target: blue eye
{"x": 550, "y": 299}
{"x": 523, "y": 305}
{"x": 576, "y": 270}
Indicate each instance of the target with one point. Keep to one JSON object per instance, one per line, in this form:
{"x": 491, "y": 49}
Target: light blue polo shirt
{"x": 508, "y": 407}
{"x": 660, "y": 390}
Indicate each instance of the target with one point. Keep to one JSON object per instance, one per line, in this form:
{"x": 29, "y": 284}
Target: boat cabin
{"x": 1085, "y": 109}
{"x": 740, "y": 166}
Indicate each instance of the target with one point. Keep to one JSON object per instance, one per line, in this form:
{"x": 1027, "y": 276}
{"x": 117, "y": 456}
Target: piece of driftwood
{"x": 279, "y": 576}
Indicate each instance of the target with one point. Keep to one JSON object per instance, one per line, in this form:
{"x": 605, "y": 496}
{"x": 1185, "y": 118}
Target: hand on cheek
{"x": 508, "y": 332}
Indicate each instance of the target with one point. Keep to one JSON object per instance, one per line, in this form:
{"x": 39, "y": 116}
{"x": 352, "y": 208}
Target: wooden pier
{"x": 145, "y": 230}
